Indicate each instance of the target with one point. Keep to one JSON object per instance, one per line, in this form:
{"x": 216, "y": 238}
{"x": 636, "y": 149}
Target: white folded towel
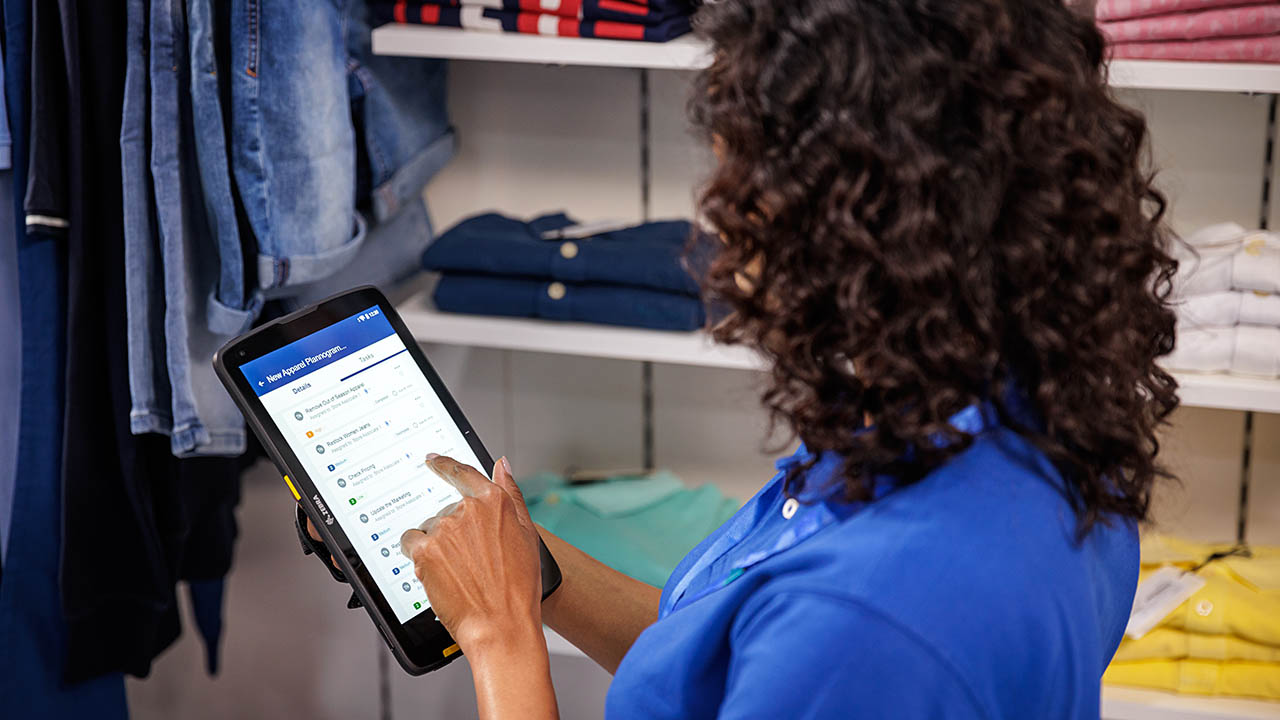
{"x": 1227, "y": 308}
{"x": 1241, "y": 350}
{"x": 1227, "y": 257}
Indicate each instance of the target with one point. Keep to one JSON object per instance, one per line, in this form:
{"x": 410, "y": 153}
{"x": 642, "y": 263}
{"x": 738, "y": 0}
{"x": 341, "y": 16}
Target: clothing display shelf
{"x": 688, "y": 53}
{"x": 1133, "y": 704}
{"x": 432, "y": 326}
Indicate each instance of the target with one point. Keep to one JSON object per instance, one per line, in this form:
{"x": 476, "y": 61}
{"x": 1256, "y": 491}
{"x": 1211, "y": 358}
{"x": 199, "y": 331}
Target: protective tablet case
{"x": 448, "y": 651}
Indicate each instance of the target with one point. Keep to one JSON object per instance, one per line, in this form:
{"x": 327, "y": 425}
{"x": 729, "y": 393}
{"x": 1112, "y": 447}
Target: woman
{"x": 938, "y": 229}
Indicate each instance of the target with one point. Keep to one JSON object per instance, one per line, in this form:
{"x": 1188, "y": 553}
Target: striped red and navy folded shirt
{"x": 475, "y": 17}
{"x": 646, "y": 12}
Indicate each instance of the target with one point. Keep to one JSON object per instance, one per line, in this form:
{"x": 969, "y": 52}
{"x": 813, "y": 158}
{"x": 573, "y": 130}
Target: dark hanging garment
{"x": 32, "y": 628}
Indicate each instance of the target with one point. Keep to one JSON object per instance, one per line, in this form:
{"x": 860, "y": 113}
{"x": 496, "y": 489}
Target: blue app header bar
{"x": 319, "y": 349}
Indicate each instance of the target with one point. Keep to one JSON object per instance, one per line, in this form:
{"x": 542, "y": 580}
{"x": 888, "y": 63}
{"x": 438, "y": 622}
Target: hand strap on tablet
{"x": 311, "y": 546}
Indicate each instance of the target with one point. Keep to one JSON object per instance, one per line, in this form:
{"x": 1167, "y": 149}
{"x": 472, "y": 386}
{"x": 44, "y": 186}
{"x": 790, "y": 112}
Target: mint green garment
{"x": 640, "y": 526}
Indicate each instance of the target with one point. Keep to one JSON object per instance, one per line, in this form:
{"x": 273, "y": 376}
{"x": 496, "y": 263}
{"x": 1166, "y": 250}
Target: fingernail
{"x": 432, "y": 456}
{"x": 506, "y": 465}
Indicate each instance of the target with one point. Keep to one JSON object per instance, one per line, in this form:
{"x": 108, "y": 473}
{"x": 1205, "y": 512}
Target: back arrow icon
{"x": 259, "y": 383}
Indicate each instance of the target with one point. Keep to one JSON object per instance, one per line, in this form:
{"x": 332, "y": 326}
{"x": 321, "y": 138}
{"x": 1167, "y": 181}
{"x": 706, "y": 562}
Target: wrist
{"x": 506, "y": 643}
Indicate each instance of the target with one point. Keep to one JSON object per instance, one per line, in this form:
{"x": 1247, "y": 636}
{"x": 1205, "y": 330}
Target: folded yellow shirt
{"x": 1241, "y": 596}
{"x": 1200, "y": 677}
{"x": 1170, "y": 644}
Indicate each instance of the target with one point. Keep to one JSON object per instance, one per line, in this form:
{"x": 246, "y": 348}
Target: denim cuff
{"x": 196, "y": 440}
{"x": 150, "y": 420}
{"x": 274, "y": 272}
{"x": 406, "y": 184}
{"x": 229, "y": 321}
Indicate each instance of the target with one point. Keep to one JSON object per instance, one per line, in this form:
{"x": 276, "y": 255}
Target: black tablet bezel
{"x": 421, "y": 644}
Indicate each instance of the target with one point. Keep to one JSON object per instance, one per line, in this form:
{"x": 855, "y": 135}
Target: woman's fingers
{"x": 414, "y": 538}
{"x": 315, "y": 535}
{"x": 503, "y": 477}
{"x": 411, "y": 541}
{"x": 468, "y": 481}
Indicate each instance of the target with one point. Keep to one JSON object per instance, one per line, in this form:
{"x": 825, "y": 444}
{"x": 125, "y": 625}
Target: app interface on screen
{"x": 361, "y": 416}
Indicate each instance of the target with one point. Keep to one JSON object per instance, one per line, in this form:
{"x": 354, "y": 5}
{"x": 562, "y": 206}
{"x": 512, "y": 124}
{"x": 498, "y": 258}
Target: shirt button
{"x": 556, "y": 291}
{"x": 1204, "y": 608}
{"x": 789, "y": 508}
{"x": 569, "y": 250}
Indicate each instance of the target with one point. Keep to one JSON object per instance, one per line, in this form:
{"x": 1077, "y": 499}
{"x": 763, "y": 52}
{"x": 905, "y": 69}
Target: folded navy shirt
{"x": 607, "y": 304}
{"x": 649, "y": 256}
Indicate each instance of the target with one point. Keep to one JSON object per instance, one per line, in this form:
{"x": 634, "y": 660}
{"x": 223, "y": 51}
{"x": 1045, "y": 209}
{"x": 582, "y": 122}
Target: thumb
{"x": 503, "y": 478}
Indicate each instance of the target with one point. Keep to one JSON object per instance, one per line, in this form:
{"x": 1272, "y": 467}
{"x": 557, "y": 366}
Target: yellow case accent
{"x": 292, "y": 489}
{"x": 451, "y": 650}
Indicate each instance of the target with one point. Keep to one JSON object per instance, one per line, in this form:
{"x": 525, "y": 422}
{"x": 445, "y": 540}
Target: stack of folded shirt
{"x": 1206, "y": 30}
{"x": 641, "y": 526}
{"x": 1226, "y": 301}
{"x": 1224, "y": 639}
{"x": 649, "y": 20}
{"x": 555, "y": 268}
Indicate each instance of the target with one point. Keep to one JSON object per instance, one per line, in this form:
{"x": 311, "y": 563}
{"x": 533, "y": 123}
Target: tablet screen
{"x": 360, "y": 415}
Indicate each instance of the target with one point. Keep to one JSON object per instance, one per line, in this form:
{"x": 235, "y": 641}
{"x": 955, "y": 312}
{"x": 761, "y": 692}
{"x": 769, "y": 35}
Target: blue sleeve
{"x": 809, "y": 655}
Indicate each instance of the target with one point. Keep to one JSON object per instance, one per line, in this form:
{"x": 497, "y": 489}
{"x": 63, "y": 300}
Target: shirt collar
{"x": 817, "y": 485}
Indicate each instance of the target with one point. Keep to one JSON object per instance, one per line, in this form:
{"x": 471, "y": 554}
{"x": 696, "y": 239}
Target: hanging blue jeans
{"x": 204, "y": 420}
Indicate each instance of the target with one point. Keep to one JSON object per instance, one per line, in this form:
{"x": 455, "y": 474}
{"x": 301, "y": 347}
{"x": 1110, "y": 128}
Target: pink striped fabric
{"x": 1122, "y": 9}
{"x": 1216, "y": 23}
{"x": 1264, "y": 49}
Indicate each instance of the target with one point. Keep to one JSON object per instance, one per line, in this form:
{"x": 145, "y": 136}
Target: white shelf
{"x": 684, "y": 53}
{"x": 1218, "y": 77}
{"x": 1223, "y": 392}
{"x": 688, "y": 53}
{"x": 604, "y": 341}
{"x": 1134, "y": 704}
{"x": 1227, "y": 392}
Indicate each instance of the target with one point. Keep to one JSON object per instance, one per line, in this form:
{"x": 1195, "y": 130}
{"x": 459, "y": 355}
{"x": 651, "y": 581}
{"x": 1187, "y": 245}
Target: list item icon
{"x": 374, "y": 536}
{"x": 310, "y": 434}
{"x": 386, "y": 552}
{"x": 352, "y": 501}
{"x": 417, "y": 606}
{"x": 364, "y": 518}
{"x": 330, "y": 468}
{"x": 406, "y": 586}
{"x": 341, "y": 482}
{"x": 395, "y": 571}
{"x": 297, "y": 416}
{"x": 320, "y": 449}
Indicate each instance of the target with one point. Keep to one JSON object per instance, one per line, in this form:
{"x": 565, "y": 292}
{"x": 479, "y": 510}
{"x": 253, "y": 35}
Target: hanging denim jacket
{"x": 300, "y": 74}
{"x": 287, "y": 151}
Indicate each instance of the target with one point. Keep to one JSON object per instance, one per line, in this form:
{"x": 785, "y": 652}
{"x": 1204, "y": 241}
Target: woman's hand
{"x": 478, "y": 561}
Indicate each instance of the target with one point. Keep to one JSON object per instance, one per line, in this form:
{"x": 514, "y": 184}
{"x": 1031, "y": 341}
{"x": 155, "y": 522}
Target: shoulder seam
{"x": 906, "y": 632}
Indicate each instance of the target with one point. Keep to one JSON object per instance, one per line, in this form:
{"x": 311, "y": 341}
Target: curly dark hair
{"x": 926, "y": 204}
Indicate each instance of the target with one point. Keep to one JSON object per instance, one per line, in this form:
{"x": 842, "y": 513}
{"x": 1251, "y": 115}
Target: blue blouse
{"x": 962, "y": 596}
